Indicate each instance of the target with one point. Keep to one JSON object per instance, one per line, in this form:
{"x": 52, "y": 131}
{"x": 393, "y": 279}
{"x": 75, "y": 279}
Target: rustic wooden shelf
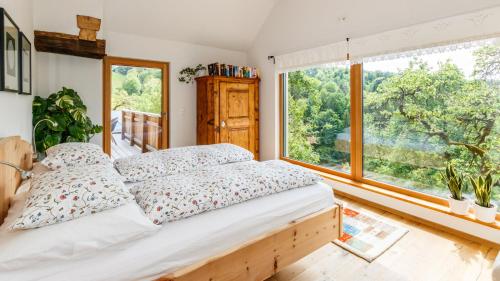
{"x": 67, "y": 44}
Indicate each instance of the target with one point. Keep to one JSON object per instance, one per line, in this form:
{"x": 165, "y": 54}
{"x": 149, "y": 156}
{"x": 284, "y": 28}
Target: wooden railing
{"x": 142, "y": 129}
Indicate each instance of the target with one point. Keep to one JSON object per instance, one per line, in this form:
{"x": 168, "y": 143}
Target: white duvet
{"x": 180, "y": 196}
{"x": 184, "y": 242}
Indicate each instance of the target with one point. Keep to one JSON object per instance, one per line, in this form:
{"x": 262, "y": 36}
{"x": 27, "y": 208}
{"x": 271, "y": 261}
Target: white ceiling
{"x": 300, "y": 24}
{"x": 235, "y": 24}
{"x": 227, "y": 24}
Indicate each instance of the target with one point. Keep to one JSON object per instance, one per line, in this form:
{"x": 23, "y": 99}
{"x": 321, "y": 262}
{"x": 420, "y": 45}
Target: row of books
{"x": 217, "y": 69}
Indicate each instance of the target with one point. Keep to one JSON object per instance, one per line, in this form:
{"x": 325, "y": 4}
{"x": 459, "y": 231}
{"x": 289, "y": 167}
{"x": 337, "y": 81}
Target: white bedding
{"x": 185, "y": 242}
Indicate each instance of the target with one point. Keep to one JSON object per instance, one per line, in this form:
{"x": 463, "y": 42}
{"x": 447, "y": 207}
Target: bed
{"x": 248, "y": 241}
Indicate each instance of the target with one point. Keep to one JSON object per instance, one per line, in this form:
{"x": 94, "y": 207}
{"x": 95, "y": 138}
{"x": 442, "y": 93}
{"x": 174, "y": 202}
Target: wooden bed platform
{"x": 264, "y": 256}
{"x": 255, "y": 260}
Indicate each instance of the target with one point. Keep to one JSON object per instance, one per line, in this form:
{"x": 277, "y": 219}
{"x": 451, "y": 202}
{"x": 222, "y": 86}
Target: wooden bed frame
{"x": 255, "y": 260}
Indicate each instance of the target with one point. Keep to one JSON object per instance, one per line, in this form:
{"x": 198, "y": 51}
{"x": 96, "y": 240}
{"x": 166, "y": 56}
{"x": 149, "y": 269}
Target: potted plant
{"x": 484, "y": 209}
{"x": 67, "y": 120}
{"x": 188, "y": 74}
{"x": 455, "y": 182}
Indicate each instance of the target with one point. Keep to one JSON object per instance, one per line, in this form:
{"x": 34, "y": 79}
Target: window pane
{"x": 317, "y": 117}
{"x": 422, "y": 112}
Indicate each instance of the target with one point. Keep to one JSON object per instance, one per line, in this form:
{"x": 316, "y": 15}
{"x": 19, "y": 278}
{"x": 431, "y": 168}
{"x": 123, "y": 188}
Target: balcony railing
{"x": 142, "y": 129}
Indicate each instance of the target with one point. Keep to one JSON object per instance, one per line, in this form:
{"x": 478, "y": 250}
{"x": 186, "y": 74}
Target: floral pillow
{"x": 73, "y": 154}
{"x": 179, "y": 160}
{"x": 67, "y": 194}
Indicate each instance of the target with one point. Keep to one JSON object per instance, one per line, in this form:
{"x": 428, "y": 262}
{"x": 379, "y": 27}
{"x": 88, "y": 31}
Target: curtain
{"x": 457, "y": 32}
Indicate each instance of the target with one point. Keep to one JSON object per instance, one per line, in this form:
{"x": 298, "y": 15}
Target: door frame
{"x": 108, "y": 62}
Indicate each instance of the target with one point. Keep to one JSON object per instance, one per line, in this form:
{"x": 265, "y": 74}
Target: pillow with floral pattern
{"x": 73, "y": 154}
{"x": 68, "y": 194}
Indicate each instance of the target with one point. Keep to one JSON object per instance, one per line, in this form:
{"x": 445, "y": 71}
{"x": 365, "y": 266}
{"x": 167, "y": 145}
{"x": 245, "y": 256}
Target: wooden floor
{"x": 423, "y": 254}
{"x": 122, "y": 148}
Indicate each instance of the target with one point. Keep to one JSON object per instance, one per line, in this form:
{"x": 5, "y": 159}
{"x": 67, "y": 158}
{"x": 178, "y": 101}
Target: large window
{"x": 317, "y": 119}
{"x": 417, "y": 112}
{"x": 423, "y": 111}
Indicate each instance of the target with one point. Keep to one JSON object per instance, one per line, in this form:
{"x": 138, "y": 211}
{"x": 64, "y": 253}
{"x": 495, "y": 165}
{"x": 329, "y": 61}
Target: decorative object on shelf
{"x": 83, "y": 45}
{"x": 483, "y": 188}
{"x": 188, "y": 74}
{"x": 65, "y": 109}
{"x": 455, "y": 182}
{"x": 9, "y": 75}
{"x": 216, "y": 69}
{"x": 25, "y": 86}
{"x": 66, "y": 44}
{"x": 88, "y": 27}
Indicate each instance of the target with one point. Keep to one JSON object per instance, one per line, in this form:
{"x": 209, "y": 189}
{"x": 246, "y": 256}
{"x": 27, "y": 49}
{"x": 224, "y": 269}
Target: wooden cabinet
{"x": 228, "y": 111}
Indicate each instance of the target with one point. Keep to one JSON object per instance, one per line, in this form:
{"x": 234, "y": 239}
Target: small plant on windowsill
{"x": 188, "y": 74}
{"x": 457, "y": 186}
{"x": 483, "y": 188}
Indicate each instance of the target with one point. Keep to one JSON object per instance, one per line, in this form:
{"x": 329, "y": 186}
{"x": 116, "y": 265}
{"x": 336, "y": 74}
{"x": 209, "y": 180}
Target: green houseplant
{"x": 68, "y": 114}
{"x": 188, "y": 74}
{"x": 483, "y": 188}
{"x": 456, "y": 184}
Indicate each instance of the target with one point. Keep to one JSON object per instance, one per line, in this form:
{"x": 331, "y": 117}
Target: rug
{"x": 366, "y": 236}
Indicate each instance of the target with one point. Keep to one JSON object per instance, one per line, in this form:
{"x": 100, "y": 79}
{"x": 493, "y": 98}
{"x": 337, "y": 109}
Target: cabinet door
{"x": 237, "y": 114}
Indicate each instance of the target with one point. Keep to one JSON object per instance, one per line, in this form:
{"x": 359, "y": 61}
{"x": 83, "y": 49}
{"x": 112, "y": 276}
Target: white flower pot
{"x": 485, "y": 214}
{"x": 460, "y": 207}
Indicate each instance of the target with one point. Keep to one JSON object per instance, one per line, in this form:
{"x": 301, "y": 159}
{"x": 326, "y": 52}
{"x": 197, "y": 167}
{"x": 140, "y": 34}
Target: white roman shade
{"x": 453, "y": 32}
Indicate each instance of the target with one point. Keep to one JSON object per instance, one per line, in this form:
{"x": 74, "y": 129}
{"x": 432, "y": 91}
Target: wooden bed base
{"x": 255, "y": 260}
{"x": 261, "y": 258}
{"x": 18, "y": 152}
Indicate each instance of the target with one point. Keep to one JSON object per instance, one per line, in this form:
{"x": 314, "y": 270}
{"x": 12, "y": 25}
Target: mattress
{"x": 181, "y": 243}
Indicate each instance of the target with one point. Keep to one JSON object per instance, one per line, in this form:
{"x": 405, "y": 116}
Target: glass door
{"x": 136, "y": 106}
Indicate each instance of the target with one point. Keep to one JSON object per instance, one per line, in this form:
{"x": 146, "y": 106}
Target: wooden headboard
{"x": 17, "y": 152}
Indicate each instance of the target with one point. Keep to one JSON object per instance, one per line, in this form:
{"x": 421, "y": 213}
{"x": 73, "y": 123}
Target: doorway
{"x": 135, "y": 106}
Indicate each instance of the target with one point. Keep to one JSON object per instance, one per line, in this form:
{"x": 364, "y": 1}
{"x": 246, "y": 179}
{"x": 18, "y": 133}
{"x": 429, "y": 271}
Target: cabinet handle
{"x": 222, "y": 124}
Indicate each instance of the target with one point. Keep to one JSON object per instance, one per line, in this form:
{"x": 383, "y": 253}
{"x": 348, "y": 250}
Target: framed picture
{"x": 9, "y": 57}
{"x": 25, "y": 65}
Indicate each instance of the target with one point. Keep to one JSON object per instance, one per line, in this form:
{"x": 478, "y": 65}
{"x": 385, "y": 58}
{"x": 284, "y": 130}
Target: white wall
{"x": 15, "y": 110}
{"x": 85, "y": 75}
{"x": 180, "y": 55}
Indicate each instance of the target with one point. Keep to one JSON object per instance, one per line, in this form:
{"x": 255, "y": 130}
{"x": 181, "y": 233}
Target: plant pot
{"x": 485, "y": 214}
{"x": 460, "y": 207}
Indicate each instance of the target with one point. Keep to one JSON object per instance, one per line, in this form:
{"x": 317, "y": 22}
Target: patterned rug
{"x": 366, "y": 236}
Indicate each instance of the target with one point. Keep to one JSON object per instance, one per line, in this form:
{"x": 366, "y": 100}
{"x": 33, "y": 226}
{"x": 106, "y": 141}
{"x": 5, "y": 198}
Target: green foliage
{"x": 483, "y": 188}
{"x": 414, "y": 121}
{"x": 132, "y": 85}
{"x": 455, "y": 182}
{"x": 123, "y": 70}
{"x": 69, "y": 115}
{"x": 137, "y": 89}
{"x": 318, "y": 110}
{"x": 487, "y": 62}
{"x": 187, "y": 74}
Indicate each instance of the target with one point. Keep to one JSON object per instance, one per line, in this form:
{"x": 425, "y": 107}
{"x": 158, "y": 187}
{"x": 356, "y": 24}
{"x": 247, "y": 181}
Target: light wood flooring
{"x": 422, "y": 254}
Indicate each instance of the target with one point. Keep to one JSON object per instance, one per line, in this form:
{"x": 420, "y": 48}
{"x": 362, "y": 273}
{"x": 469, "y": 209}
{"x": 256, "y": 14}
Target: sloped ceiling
{"x": 236, "y": 24}
{"x": 298, "y": 24}
{"x": 227, "y": 24}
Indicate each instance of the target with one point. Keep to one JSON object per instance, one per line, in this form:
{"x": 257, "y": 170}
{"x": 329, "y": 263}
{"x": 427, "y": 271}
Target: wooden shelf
{"x": 222, "y": 77}
{"x": 67, "y": 44}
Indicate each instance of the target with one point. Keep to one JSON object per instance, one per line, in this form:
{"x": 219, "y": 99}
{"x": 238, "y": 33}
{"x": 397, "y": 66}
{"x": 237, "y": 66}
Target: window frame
{"x": 355, "y": 176}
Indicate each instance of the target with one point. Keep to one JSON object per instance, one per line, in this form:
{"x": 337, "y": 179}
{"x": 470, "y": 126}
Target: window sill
{"x": 402, "y": 197}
